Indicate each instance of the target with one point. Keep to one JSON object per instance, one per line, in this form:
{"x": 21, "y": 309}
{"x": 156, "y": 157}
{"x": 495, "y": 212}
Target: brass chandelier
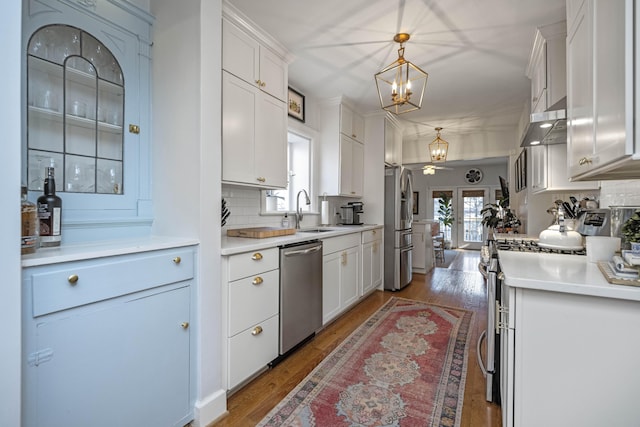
{"x": 401, "y": 85}
{"x": 438, "y": 148}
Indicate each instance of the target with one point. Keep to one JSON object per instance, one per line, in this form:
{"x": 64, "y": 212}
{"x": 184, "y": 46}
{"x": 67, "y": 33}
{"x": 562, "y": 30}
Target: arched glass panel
{"x": 75, "y": 102}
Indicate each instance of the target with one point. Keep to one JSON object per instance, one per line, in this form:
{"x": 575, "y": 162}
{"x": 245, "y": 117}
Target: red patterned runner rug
{"x": 405, "y": 366}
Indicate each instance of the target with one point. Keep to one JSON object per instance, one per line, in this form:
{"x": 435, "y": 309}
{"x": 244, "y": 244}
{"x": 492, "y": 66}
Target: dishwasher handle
{"x": 303, "y": 251}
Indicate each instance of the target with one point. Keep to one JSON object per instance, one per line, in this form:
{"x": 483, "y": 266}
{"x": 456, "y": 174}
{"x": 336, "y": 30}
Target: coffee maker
{"x": 351, "y": 213}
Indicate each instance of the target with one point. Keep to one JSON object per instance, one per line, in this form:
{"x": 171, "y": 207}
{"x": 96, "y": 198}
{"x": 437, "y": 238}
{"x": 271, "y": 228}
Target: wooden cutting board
{"x": 260, "y": 232}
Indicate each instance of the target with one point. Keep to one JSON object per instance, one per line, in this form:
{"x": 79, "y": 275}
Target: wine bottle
{"x": 50, "y": 212}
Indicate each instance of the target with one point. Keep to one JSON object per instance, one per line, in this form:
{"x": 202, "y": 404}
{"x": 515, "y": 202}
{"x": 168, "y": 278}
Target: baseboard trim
{"x": 208, "y": 410}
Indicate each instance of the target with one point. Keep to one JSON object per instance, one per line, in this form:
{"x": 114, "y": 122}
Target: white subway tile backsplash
{"x": 620, "y": 193}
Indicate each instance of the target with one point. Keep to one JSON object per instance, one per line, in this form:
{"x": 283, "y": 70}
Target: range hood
{"x": 548, "y": 127}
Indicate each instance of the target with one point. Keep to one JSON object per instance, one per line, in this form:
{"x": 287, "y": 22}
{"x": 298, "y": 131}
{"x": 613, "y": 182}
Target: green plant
{"x": 445, "y": 211}
{"x": 631, "y": 228}
{"x": 498, "y": 215}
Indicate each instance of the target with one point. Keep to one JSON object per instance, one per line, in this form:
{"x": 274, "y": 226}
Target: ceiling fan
{"x": 429, "y": 168}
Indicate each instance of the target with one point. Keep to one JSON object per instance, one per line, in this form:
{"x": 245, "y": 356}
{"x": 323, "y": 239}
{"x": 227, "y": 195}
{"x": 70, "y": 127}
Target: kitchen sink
{"x": 315, "y": 230}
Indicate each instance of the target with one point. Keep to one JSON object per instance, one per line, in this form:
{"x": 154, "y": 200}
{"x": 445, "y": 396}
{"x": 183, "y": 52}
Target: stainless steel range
{"x": 529, "y": 244}
{"x": 490, "y": 268}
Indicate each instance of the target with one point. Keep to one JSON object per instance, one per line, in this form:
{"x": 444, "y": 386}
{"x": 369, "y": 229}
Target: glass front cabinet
{"x": 86, "y": 101}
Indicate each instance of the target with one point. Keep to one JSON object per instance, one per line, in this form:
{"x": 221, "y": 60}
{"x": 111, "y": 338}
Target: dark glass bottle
{"x": 50, "y": 212}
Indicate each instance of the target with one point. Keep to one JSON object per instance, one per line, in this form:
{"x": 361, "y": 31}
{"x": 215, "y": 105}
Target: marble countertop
{"x": 236, "y": 245}
{"x": 82, "y": 251}
{"x": 571, "y": 274}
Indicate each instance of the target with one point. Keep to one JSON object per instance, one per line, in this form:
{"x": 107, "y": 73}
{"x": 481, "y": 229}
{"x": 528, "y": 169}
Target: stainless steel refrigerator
{"x": 398, "y": 215}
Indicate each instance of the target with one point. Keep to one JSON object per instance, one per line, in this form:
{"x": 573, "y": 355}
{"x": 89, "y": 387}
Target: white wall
{"x": 186, "y": 167}
{"x": 10, "y": 301}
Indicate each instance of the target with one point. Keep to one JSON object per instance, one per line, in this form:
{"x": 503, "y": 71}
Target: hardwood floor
{"x": 460, "y": 285}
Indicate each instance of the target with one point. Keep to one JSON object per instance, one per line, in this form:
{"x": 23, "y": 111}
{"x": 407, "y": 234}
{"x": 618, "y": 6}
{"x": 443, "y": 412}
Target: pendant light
{"x": 438, "y": 148}
{"x": 401, "y": 85}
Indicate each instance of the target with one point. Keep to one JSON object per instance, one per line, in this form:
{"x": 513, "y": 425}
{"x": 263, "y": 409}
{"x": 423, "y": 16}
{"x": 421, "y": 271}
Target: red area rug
{"x": 405, "y": 366}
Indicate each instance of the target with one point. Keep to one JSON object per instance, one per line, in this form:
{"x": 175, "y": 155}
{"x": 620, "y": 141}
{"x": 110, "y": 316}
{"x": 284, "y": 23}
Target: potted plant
{"x": 631, "y": 231}
{"x": 445, "y": 212}
{"x": 498, "y": 216}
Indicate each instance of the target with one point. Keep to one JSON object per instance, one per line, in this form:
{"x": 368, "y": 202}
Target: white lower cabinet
{"x": 251, "y": 283}
{"x": 423, "y": 259}
{"x": 107, "y": 341}
{"x": 371, "y": 260}
{"x": 341, "y": 285}
{"x": 565, "y": 359}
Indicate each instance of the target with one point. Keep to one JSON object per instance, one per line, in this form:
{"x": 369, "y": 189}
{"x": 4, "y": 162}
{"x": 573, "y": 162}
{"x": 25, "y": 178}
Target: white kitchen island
{"x": 570, "y": 347}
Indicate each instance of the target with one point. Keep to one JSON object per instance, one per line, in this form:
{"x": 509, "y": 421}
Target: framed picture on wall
{"x": 416, "y": 198}
{"x": 296, "y": 105}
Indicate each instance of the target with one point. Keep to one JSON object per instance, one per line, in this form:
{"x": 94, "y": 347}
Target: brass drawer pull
{"x": 177, "y": 260}
{"x": 184, "y": 325}
{"x": 73, "y": 279}
{"x": 257, "y": 281}
{"x": 256, "y": 331}
{"x": 261, "y": 179}
{"x": 257, "y": 256}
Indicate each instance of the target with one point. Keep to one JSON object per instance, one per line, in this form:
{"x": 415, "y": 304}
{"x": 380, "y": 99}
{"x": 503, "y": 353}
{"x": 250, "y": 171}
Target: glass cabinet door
{"x": 75, "y": 97}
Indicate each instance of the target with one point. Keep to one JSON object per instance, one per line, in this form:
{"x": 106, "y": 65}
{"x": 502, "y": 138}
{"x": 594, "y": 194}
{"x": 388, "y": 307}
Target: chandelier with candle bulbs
{"x": 401, "y": 85}
{"x": 438, "y": 148}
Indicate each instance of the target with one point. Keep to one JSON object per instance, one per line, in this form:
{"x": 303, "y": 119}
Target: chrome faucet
{"x": 298, "y": 211}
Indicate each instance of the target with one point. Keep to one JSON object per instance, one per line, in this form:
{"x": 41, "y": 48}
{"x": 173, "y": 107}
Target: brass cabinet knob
{"x": 259, "y": 82}
{"x": 177, "y": 260}
{"x": 184, "y": 325}
{"x": 354, "y": 136}
{"x": 257, "y": 281}
{"x": 584, "y": 161}
{"x": 257, "y": 256}
{"x": 73, "y": 279}
{"x": 256, "y": 331}
{"x": 261, "y": 179}
{"x": 135, "y": 129}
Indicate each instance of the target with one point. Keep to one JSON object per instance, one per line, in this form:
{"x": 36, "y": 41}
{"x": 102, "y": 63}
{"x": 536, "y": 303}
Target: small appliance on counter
{"x": 351, "y": 213}
{"x": 594, "y": 222}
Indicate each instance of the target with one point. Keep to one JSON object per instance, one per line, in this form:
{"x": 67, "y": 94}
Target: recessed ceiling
{"x": 475, "y": 52}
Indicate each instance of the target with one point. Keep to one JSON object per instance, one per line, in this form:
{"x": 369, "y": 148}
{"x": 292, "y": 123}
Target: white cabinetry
{"x": 107, "y": 341}
{"x": 341, "y": 285}
{"x": 392, "y": 141}
{"x": 351, "y": 123}
{"x": 547, "y": 67}
{"x": 251, "y": 283}
{"x": 341, "y": 149}
{"x": 600, "y": 99}
{"x": 422, "y": 258}
{"x": 558, "y": 345}
{"x": 549, "y": 170}
{"x": 371, "y": 260}
{"x": 254, "y": 111}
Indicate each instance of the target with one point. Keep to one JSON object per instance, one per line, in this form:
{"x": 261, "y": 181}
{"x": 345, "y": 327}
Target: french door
{"x": 468, "y": 221}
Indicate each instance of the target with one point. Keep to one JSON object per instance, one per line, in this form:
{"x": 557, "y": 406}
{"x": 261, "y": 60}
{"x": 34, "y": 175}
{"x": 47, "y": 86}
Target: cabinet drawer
{"x": 251, "y": 350}
{"x": 77, "y": 283}
{"x": 371, "y": 235}
{"x": 339, "y": 243}
{"x": 252, "y": 300}
{"x": 252, "y": 263}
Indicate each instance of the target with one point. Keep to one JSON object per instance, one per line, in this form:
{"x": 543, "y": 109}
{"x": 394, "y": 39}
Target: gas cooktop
{"x": 528, "y": 244}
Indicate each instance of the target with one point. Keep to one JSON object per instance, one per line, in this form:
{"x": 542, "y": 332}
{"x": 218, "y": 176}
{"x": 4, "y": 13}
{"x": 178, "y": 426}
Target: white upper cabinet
{"x": 87, "y": 114}
{"x": 351, "y": 123}
{"x": 547, "y": 67}
{"x": 549, "y": 170}
{"x": 254, "y": 109}
{"x": 341, "y": 155}
{"x": 601, "y": 50}
{"x": 244, "y": 57}
{"x": 392, "y": 141}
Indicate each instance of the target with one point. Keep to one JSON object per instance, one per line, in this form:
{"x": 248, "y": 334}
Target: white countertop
{"x": 236, "y": 245}
{"x": 81, "y": 251}
{"x": 571, "y": 274}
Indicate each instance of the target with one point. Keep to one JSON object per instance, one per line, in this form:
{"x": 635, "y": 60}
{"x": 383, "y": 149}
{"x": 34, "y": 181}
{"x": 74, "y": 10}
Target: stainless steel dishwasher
{"x": 300, "y": 293}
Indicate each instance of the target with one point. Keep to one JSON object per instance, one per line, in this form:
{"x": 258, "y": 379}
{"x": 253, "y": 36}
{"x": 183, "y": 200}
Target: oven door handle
{"x": 483, "y": 335}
